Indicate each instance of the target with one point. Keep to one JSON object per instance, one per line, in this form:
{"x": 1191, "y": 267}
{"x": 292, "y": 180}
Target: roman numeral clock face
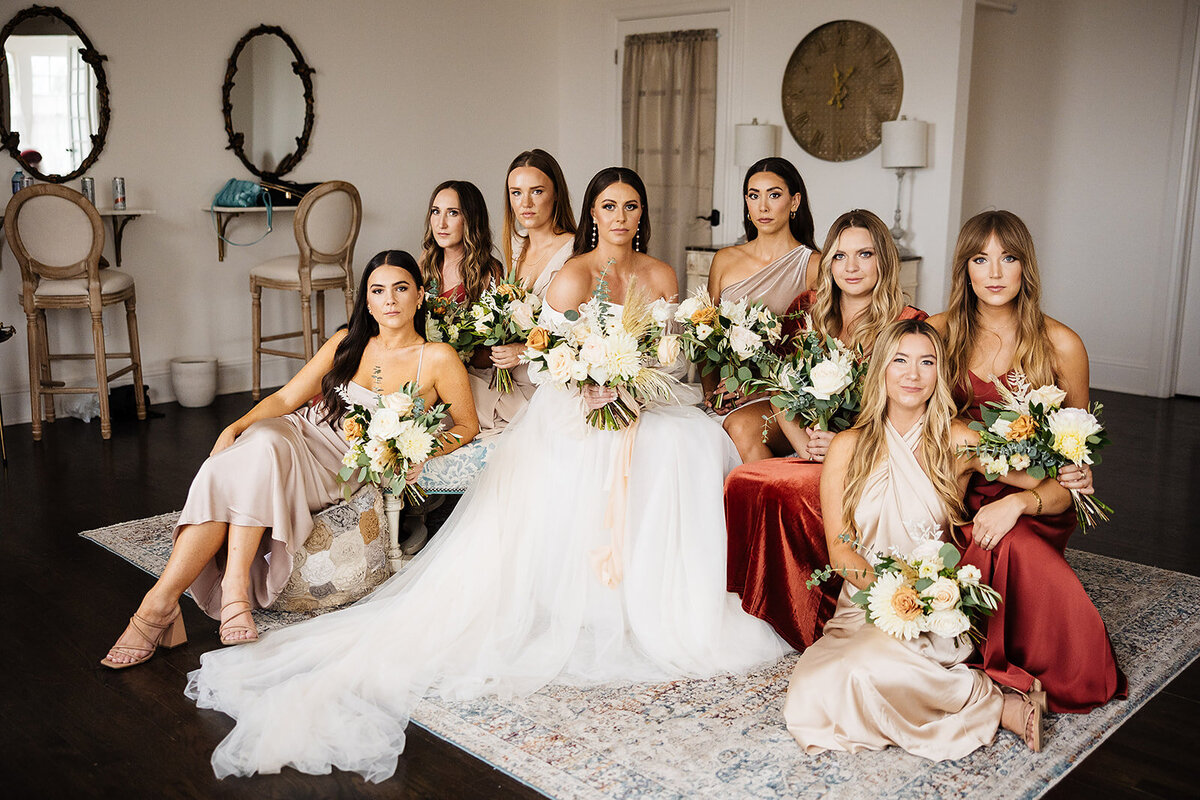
{"x": 841, "y": 84}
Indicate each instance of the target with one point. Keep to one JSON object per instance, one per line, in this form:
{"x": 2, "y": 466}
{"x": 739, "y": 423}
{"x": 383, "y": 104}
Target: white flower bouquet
{"x": 820, "y": 384}
{"x": 925, "y": 591}
{"x": 385, "y": 442}
{"x": 446, "y": 321}
{"x": 736, "y": 338}
{"x": 1030, "y": 430}
{"x": 504, "y": 314}
{"x": 601, "y": 347}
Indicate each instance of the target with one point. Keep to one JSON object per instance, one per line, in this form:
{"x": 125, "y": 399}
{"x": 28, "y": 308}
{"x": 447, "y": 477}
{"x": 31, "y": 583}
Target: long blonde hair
{"x": 478, "y": 265}
{"x": 563, "y": 219}
{"x": 1034, "y": 354}
{"x": 936, "y": 451}
{"x": 887, "y": 301}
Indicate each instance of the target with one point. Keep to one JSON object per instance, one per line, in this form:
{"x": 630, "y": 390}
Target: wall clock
{"x": 841, "y": 84}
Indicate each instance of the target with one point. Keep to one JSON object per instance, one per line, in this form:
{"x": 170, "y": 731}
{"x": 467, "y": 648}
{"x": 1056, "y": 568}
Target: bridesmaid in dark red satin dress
{"x": 1047, "y": 628}
{"x": 773, "y": 507}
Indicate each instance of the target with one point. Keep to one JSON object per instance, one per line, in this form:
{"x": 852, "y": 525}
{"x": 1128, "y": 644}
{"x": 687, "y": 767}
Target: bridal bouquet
{"x": 820, "y": 384}
{"x": 446, "y": 321}
{"x": 385, "y": 442}
{"x": 601, "y": 346}
{"x": 504, "y": 314}
{"x": 734, "y": 337}
{"x": 1030, "y": 430}
{"x": 925, "y": 591}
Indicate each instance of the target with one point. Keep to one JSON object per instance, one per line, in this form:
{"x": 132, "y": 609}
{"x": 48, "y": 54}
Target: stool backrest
{"x": 55, "y": 234}
{"x": 326, "y": 225}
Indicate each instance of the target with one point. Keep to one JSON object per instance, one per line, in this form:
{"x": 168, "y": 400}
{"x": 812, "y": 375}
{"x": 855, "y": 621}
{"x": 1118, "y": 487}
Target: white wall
{"x": 929, "y": 38}
{"x": 1075, "y": 126}
{"x": 407, "y": 94}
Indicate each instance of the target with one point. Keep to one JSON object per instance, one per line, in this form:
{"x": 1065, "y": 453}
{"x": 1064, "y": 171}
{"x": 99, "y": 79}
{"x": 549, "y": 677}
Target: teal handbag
{"x": 241, "y": 194}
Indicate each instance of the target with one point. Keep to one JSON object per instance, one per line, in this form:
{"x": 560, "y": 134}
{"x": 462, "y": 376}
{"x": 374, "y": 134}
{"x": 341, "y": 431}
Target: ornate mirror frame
{"x": 10, "y": 140}
{"x": 237, "y": 140}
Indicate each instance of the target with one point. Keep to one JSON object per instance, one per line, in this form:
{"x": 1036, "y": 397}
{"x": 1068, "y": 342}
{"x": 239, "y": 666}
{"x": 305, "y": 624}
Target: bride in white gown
{"x": 505, "y": 599}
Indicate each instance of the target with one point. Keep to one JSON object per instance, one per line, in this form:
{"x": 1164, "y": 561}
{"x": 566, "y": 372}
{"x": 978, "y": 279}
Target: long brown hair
{"x": 887, "y": 301}
{"x": 936, "y": 451}
{"x": 1034, "y": 355}
{"x": 600, "y": 181}
{"x": 478, "y": 265}
{"x": 563, "y": 220}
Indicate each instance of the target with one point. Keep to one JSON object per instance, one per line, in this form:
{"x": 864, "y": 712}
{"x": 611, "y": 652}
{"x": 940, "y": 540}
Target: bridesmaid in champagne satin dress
{"x": 1047, "y": 628}
{"x": 858, "y": 687}
{"x": 773, "y": 507}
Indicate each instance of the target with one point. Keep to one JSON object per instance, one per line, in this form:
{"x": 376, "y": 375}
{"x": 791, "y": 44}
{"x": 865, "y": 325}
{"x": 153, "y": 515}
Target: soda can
{"x": 87, "y": 188}
{"x": 118, "y": 194}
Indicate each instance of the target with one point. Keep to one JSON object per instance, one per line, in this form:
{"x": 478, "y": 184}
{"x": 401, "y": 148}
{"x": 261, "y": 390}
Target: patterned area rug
{"x": 724, "y": 737}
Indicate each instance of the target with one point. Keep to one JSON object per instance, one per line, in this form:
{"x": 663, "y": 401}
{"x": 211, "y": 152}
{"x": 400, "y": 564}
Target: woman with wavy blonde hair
{"x": 1047, "y": 631}
{"x": 456, "y": 250}
{"x": 773, "y": 507}
{"x": 891, "y": 483}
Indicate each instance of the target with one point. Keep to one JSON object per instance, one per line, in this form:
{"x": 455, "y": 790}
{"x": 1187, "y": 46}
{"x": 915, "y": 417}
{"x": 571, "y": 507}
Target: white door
{"x": 1187, "y": 378}
{"x": 723, "y": 233}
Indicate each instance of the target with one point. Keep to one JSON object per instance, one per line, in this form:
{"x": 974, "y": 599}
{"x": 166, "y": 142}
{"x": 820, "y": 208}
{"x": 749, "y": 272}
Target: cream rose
{"x": 668, "y": 350}
{"x": 1018, "y": 461}
{"x": 744, "y": 341}
{"x": 559, "y": 363}
{"x": 400, "y": 402}
{"x": 687, "y": 308}
{"x": 942, "y": 594}
{"x": 1048, "y": 397}
{"x": 969, "y": 575}
{"x": 384, "y": 424}
{"x": 948, "y": 623}
{"x": 830, "y": 377}
{"x": 521, "y": 312}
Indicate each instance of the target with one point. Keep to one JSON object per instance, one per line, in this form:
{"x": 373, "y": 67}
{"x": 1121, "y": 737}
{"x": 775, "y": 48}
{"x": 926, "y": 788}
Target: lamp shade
{"x": 905, "y": 143}
{"x": 752, "y": 142}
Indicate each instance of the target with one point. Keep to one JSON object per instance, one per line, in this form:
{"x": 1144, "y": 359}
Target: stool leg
{"x": 35, "y": 373}
{"x": 135, "y": 355}
{"x": 348, "y": 295}
{"x": 101, "y": 373}
{"x": 47, "y": 380}
{"x": 306, "y": 319}
{"x": 320, "y": 319}
{"x": 256, "y": 340}
{"x": 3, "y": 449}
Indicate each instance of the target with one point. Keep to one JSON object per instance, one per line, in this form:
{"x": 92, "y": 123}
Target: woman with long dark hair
{"x": 778, "y": 261}
{"x": 577, "y": 556}
{"x": 1047, "y": 629}
{"x": 277, "y": 465}
{"x": 456, "y": 250}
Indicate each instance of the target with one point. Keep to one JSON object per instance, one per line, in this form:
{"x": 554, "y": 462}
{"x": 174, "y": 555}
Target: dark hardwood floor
{"x": 71, "y": 728}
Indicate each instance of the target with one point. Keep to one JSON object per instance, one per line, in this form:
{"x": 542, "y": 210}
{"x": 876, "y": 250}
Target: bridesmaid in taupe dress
{"x": 778, "y": 261}
{"x": 277, "y": 465}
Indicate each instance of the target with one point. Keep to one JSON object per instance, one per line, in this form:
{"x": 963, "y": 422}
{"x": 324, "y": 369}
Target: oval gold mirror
{"x": 54, "y": 110}
{"x": 268, "y": 102}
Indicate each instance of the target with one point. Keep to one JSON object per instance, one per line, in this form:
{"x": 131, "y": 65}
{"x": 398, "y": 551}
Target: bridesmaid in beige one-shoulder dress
{"x": 778, "y": 262}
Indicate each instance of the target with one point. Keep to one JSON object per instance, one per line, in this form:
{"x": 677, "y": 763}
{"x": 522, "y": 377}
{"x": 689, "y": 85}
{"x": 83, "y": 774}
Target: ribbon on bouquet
{"x": 607, "y": 561}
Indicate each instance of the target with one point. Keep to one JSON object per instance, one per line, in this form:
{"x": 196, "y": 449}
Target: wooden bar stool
{"x": 326, "y": 226}
{"x": 57, "y": 236}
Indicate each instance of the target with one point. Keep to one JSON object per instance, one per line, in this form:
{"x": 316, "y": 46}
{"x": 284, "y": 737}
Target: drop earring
{"x": 637, "y": 239}
{"x": 792, "y": 215}
{"x": 595, "y": 234}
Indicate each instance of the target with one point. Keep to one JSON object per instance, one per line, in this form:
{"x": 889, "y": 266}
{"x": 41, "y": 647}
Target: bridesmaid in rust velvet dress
{"x": 1047, "y": 628}
{"x": 773, "y": 507}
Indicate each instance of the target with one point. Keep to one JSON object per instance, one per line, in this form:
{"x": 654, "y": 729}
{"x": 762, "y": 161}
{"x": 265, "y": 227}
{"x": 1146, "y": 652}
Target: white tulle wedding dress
{"x": 508, "y": 597}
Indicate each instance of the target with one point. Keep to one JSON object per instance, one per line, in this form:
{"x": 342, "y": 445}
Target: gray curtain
{"x": 668, "y": 118}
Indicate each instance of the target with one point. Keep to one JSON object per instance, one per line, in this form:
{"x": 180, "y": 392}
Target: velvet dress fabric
{"x": 776, "y": 538}
{"x": 1047, "y": 627}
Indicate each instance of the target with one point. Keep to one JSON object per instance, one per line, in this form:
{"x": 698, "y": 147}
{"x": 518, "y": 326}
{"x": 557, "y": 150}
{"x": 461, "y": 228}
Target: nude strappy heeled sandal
{"x": 1029, "y": 726}
{"x": 168, "y": 635}
{"x": 227, "y": 627}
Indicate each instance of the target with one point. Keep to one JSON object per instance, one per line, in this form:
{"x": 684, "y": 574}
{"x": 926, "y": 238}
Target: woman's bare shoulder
{"x": 1067, "y": 343}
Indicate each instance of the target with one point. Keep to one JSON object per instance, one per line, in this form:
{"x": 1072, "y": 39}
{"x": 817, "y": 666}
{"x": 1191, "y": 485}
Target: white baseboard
{"x": 232, "y": 377}
{"x": 1120, "y": 375}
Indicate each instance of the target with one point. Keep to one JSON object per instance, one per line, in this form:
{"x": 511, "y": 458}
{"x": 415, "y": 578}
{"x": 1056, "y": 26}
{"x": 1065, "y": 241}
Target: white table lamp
{"x": 752, "y": 141}
{"x": 905, "y": 147}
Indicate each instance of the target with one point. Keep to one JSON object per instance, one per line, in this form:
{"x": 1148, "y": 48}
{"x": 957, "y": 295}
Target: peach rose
{"x": 1022, "y": 428}
{"x": 539, "y": 339}
{"x": 352, "y": 428}
{"x": 906, "y": 603}
{"x": 508, "y": 290}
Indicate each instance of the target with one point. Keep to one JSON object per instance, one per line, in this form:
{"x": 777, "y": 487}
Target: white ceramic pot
{"x": 194, "y": 380}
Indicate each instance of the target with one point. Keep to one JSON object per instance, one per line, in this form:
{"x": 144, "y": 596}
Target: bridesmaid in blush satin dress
{"x": 251, "y": 504}
{"x": 1047, "y": 628}
{"x": 890, "y": 480}
{"x": 778, "y": 261}
{"x": 773, "y": 507}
